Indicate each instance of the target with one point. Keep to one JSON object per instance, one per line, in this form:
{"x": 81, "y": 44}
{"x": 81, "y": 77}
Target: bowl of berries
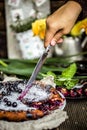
{"x": 79, "y": 91}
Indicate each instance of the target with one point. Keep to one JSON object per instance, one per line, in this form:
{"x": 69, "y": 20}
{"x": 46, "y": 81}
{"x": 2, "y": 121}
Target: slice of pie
{"x": 40, "y": 100}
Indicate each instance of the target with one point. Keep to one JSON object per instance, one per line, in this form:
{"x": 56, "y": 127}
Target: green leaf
{"x": 69, "y": 84}
{"x": 3, "y": 63}
{"x": 70, "y": 71}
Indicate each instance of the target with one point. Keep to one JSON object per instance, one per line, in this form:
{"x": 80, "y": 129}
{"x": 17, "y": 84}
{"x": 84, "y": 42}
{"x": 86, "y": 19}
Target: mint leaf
{"x": 66, "y": 78}
{"x": 69, "y": 72}
{"x": 49, "y": 73}
{"x": 70, "y": 83}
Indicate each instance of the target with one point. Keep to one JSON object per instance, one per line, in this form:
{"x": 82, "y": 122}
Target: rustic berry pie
{"x": 40, "y": 100}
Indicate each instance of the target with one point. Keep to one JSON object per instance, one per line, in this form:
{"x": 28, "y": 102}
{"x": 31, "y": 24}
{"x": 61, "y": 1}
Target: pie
{"x": 40, "y": 100}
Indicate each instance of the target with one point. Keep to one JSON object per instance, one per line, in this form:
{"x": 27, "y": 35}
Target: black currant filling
{"x": 9, "y": 91}
{"x": 38, "y": 97}
{"x": 77, "y": 92}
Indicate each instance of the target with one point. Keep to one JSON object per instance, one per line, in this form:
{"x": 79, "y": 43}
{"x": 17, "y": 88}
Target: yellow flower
{"x": 39, "y": 27}
{"x": 76, "y": 30}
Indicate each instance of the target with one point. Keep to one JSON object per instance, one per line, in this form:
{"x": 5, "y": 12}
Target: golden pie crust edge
{"x": 50, "y": 121}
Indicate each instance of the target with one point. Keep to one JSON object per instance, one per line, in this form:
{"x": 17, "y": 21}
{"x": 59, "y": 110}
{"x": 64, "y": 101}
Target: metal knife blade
{"x": 35, "y": 72}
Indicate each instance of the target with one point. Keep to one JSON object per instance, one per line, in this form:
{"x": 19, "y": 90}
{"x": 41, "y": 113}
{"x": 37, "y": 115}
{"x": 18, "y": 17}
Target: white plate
{"x": 62, "y": 106}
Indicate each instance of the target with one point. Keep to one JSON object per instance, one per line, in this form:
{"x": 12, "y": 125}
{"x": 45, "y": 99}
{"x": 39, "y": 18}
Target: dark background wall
{"x": 55, "y": 4}
{"x": 3, "y": 44}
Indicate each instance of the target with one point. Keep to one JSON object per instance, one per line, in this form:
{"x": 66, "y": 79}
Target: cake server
{"x": 35, "y": 72}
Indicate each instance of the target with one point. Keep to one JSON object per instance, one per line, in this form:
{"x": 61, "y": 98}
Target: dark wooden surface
{"x": 77, "y": 112}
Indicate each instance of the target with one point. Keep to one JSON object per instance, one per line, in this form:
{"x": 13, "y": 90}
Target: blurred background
{"x": 18, "y": 44}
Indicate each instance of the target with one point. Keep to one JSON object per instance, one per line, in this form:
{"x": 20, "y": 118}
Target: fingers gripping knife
{"x": 35, "y": 72}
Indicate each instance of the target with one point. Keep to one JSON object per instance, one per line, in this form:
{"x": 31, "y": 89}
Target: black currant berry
{"x": 8, "y": 92}
{"x": 5, "y": 99}
{"x": 3, "y": 93}
{"x": 11, "y": 88}
{"x": 19, "y": 90}
{"x": 8, "y": 103}
{"x": 14, "y": 104}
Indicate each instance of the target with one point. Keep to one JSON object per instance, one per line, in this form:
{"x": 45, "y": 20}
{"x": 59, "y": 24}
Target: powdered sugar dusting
{"x": 36, "y": 93}
{"x": 13, "y": 98}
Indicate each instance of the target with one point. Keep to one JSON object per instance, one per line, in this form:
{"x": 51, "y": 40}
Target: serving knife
{"x": 35, "y": 72}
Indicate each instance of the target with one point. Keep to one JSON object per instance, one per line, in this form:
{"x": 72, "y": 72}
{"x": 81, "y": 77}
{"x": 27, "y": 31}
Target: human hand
{"x": 61, "y": 22}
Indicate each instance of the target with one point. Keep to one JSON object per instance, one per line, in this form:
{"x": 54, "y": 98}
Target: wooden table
{"x": 77, "y": 112}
